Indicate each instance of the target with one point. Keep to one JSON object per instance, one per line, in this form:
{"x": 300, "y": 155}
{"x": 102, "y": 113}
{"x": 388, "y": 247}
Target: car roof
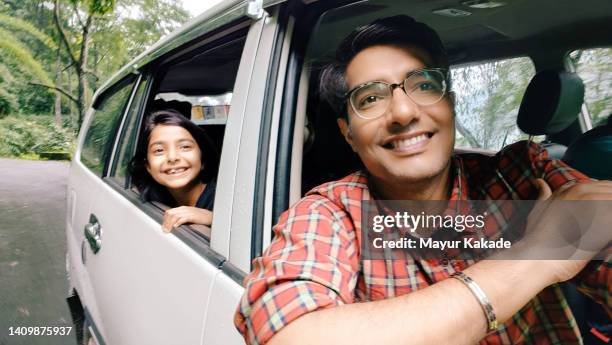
{"x": 519, "y": 27}
{"x": 223, "y": 13}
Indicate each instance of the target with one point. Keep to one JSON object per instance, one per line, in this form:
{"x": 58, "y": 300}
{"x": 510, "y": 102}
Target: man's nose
{"x": 402, "y": 110}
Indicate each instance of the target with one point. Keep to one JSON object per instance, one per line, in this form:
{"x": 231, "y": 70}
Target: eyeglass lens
{"x": 424, "y": 88}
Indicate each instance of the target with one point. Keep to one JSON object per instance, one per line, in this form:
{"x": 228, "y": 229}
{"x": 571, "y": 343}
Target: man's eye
{"x": 369, "y": 100}
{"x": 427, "y": 86}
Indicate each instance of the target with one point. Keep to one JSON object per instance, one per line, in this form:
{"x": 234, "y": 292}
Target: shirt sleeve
{"x": 519, "y": 165}
{"x": 596, "y": 279}
{"x": 312, "y": 263}
{"x": 554, "y": 171}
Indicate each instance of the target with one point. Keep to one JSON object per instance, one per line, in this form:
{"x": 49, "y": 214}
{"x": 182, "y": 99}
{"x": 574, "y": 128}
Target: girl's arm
{"x": 178, "y": 216}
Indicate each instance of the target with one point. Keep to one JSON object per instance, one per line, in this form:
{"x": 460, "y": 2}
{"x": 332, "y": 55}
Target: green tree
{"x": 594, "y": 66}
{"x": 17, "y": 61}
{"x": 84, "y": 13}
{"x": 488, "y": 96}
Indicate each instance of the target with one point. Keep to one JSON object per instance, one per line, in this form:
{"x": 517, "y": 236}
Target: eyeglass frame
{"x": 392, "y": 86}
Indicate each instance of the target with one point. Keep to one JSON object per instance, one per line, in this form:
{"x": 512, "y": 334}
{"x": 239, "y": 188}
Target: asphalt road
{"x": 33, "y": 284}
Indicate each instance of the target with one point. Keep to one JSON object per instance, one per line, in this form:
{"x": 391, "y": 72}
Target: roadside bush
{"x": 29, "y": 136}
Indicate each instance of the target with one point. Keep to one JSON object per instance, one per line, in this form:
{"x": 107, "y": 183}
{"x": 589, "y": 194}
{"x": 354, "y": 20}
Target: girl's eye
{"x": 186, "y": 147}
{"x": 158, "y": 150}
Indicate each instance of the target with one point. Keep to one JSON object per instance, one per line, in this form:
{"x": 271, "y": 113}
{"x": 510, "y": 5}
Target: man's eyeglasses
{"x": 424, "y": 87}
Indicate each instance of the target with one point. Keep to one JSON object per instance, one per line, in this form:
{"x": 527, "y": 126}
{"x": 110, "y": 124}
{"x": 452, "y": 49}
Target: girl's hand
{"x": 175, "y": 217}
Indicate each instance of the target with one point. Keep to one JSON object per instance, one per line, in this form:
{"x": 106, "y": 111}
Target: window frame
{"x": 143, "y": 79}
{"x": 98, "y": 101}
{"x": 194, "y": 237}
{"x": 276, "y": 178}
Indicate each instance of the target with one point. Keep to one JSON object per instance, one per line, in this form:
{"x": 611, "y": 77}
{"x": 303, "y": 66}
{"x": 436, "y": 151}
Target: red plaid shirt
{"x": 314, "y": 260}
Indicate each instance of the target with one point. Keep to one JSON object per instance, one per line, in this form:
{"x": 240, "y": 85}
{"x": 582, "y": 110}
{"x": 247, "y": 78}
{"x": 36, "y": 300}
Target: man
{"x": 390, "y": 79}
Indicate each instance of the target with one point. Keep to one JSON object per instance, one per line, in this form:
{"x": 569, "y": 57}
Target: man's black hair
{"x": 149, "y": 189}
{"x": 398, "y": 30}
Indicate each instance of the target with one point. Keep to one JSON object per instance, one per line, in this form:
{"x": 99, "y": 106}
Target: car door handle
{"x": 93, "y": 234}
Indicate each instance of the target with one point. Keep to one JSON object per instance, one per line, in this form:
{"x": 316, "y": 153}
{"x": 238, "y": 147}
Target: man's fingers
{"x": 544, "y": 191}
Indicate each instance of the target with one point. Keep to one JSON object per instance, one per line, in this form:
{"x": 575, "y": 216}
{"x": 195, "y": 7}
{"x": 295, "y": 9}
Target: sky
{"x": 196, "y": 7}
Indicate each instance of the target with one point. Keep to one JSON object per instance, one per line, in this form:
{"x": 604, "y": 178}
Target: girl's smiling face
{"x": 174, "y": 158}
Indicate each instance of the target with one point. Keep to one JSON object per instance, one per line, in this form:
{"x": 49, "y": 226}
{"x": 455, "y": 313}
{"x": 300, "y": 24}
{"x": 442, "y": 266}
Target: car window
{"x": 205, "y": 110}
{"x": 199, "y": 85}
{"x": 594, "y": 66}
{"x": 127, "y": 141}
{"x": 488, "y": 96}
{"x": 100, "y": 135}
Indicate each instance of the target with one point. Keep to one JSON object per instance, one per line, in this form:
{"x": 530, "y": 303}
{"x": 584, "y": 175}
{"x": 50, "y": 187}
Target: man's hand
{"x": 178, "y": 216}
{"x": 548, "y": 226}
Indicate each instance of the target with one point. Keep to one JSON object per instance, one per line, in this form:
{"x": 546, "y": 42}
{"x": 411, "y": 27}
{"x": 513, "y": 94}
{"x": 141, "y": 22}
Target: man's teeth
{"x": 408, "y": 142}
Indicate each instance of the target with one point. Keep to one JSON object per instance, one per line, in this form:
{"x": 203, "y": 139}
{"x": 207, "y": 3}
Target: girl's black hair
{"x": 399, "y": 30}
{"x": 149, "y": 189}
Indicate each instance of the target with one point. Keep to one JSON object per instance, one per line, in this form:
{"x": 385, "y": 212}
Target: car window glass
{"x": 127, "y": 142}
{"x": 488, "y": 96}
{"x": 100, "y": 135}
{"x": 594, "y": 66}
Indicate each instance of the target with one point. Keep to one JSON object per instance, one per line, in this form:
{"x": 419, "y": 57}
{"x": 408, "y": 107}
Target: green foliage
{"x": 16, "y": 24}
{"x": 23, "y": 58}
{"x": 8, "y": 103}
{"x": 594, "y": 66}
{"x": 488, "y": 98}
{"x": 33, "y": 135}
{"x": 31, "y": 52}
{"x": 19, "y": 66}
{"x": 96, "y": 7}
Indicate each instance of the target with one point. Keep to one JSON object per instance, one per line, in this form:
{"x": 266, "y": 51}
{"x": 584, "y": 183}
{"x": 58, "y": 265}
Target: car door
{"x": 142, "y": 285}
{"x": 254, "y": 165}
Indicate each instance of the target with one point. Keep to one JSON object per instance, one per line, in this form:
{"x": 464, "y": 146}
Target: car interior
{"x": 552, "y": 107}
{"x": 472, "y": 32}
{"x": 198, "y": 82}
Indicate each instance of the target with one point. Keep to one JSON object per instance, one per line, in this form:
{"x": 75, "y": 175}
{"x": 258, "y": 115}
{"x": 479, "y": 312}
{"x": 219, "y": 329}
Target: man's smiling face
{"x": 410, "y": 142}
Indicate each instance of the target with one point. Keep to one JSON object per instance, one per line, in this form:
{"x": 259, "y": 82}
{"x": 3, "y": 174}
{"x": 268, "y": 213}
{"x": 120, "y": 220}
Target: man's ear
{"x": 345, "y": 128}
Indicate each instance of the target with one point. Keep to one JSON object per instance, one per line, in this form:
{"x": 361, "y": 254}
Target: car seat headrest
{"x": 589, "y": 153}
{"x": 551, "y": 102}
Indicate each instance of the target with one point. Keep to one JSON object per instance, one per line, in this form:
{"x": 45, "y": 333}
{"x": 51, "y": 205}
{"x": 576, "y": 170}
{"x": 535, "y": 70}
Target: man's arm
{"x": 448, "y": 312}
{"x": 444, "y": 313}
{"x": 312, "y": 265}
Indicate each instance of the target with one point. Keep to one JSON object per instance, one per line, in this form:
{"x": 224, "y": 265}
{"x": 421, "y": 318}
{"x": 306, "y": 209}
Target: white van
{"x": 246, "y": 71}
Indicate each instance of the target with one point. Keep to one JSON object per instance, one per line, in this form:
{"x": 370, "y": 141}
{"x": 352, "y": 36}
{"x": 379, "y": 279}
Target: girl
{"x": 176, "y": 164}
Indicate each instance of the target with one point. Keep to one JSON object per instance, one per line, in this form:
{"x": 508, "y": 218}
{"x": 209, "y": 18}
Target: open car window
{"x": 197, "y": 83}
{"x": 594, "y": 66}
{"x": 487, "y": 100}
